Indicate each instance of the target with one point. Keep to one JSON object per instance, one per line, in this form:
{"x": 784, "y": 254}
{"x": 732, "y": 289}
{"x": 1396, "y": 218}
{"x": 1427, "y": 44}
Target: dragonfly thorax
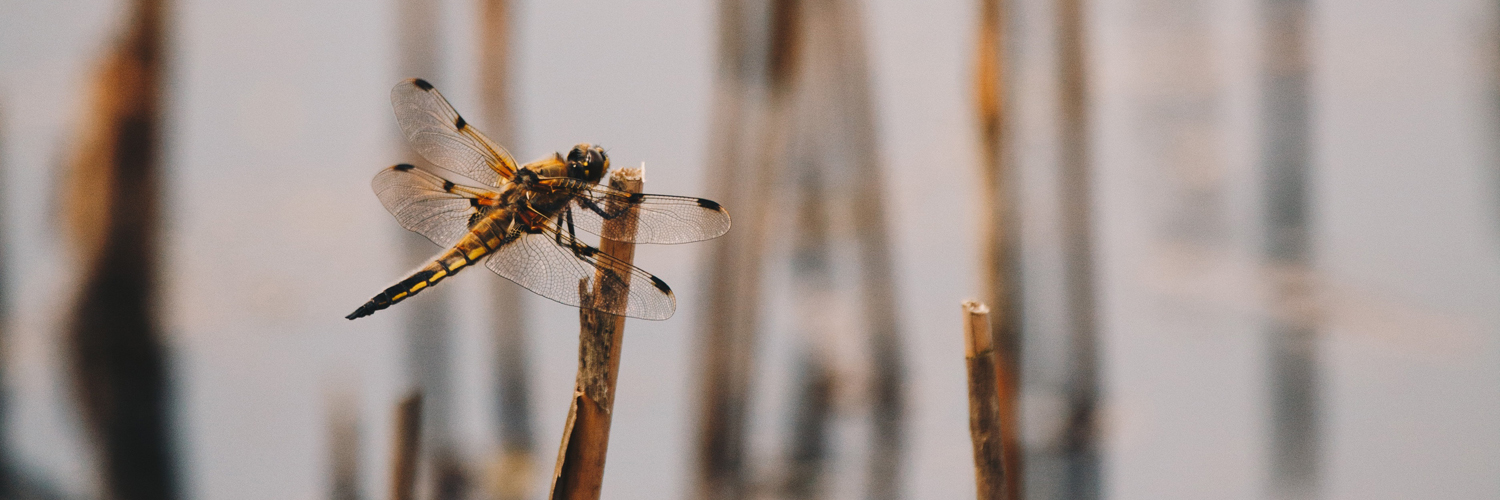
{"x": 526, "y": 177}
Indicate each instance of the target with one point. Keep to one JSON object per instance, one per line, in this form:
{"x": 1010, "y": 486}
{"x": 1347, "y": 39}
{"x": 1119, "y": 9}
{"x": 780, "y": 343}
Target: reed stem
{"x": 579, "y": 474}
{"x": 984, "y": 404}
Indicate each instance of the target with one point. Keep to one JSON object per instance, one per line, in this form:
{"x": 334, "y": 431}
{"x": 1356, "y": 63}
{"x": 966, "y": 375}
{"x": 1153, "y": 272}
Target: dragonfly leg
{"x": 572, "y": 234}
{"x": 568, "y": 213}
{"x": 587, "y": 203}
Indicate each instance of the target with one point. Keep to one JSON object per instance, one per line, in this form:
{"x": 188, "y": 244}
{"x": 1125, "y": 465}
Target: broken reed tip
{"x": 975, "y": 307}
{"x": 630, "y": 174}
{"x": 976, "y": 328}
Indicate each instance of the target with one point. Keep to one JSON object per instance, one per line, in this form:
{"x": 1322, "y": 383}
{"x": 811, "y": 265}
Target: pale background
{"x": 279, "y": 116}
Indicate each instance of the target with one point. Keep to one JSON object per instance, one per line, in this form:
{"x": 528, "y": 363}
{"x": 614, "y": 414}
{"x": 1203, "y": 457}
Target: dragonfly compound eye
{"x": 578, "y": 154}
{"x": 587, "y": 162}
{"x": 598, "y": 163}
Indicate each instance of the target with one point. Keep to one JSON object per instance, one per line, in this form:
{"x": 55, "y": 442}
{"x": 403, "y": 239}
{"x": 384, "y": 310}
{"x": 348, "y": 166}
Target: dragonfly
{"x": 523, "y": 221}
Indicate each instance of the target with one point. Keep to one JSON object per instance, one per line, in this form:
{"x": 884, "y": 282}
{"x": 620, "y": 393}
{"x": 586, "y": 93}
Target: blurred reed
{"x": 1292, "y": 335}
{"x": 999, "y": 266}
{"x": 742, "y": 174}
{"x": 510, "y": 473}
{"x": 15, "y": 482}
{"x": 852, "y": 126}
{"x": 813, "y": 406}
{"x": 795, "y": 111}
{"x": 407, "y": 449}
{"x": 343, "y": 447}
{"x": 114, "y": 338}
{"x": 1078, "y": 447}
{"x": 429, "y": 317}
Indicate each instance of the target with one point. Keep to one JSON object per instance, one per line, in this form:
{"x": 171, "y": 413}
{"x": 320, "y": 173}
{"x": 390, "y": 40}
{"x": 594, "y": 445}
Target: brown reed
{"x": 579, "y": 474}
{"x": 985, "y": 427}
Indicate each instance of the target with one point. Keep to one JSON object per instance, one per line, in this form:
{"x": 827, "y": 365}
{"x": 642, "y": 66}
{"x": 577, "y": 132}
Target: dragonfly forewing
{"x": 443, "y": 137}
{"x": 654, "y": 218}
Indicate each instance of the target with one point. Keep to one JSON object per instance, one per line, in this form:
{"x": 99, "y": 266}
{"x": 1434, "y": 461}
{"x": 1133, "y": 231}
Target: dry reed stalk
{"x": 1293, "y": 345}
{"x": 114, "y": 340}
{"x": 997, "y": 226}
{"x": 408, "y": 447}
{"x": 814, "y": 398}
{"x": 429, "y": 325}
{"x": 343, "y": 447}
{"x": 494, "y": 69}
{"x": 810, "y": 433}
{"x": 742, "y": 172}
{"x": 813, "y": 406}
{"x": 985, "y": 427}
{"x": 1078, "y": 444}
{"x": 579, "y": 474}
{"x": 854, "y": 135}
{"x": 823, "y": 111}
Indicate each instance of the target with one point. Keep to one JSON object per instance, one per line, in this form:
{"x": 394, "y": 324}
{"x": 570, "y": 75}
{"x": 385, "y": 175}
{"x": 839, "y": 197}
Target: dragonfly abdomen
{"x": 479, "y": 243}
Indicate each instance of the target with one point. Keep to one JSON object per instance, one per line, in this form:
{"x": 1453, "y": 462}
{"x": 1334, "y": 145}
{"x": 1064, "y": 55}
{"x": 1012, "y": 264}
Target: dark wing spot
{"x": 422, "y": 84}
{"x": 460, "y": 123}
{"x": 709, "y": 204}
{"x": 661, "y": 285}
{"x": 474, "y": 202}
{"x": 448, "y": 185}
{"x": 404, "y": 167}
{"x": 587, "y": 251}
{"x": 637, "y": 197}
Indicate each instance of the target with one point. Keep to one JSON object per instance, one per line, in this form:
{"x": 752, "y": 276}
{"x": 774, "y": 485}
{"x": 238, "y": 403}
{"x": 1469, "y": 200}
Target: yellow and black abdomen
{"x": 468, "y": 251}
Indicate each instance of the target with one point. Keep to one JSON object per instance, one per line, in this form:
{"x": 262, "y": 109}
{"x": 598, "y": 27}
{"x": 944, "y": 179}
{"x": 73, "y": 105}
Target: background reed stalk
{"x": 408, "y": 447}
{"x": 510, "y": 473}
{"x": 731, "y": 321}
{"x": 1078, "y": 446}
{"x": 116, "y": 345}
{"x": 430, "y": 327}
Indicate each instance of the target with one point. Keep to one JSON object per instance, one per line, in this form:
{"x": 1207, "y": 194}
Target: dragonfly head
{"x": 587, "y": 162}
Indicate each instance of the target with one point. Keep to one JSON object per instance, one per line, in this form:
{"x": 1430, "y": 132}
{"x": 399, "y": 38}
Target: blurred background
{"x": 1236, "y": 248}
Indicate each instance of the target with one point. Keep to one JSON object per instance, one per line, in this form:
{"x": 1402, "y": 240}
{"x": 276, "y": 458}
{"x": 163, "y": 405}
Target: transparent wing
{"x": 658, "y": 218}
{"x": 552, "y": 263}
{"x": 436, "y": 130}
{"x": 430, "y": 205}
